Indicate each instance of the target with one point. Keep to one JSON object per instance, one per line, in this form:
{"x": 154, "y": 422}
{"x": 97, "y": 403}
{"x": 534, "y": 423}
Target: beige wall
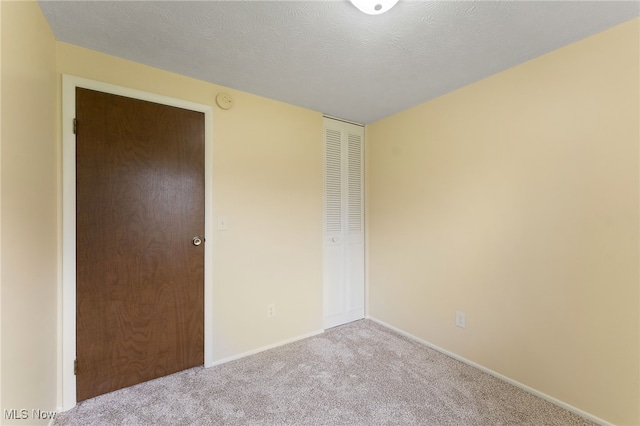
{"x": 29, "y": 244}
{"x": 515, "y": 200}
{"x": 1, "y": 406}
{"x": 1, "y": 207}
{"x": 268, "y": 183}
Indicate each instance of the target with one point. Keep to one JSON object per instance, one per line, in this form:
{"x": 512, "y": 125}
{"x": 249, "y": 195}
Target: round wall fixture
{"x": 374, "y": 7}
{"x": 224, "y": 100}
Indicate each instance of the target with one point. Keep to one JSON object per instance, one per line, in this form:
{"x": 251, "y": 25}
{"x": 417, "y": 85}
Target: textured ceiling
{"x": 326, "y": 55}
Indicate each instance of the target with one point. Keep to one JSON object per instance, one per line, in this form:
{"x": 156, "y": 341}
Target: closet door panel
{"x": 344, "y": 295}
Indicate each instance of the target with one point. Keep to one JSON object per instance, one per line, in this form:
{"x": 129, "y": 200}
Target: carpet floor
{"x": 356, "y": 374}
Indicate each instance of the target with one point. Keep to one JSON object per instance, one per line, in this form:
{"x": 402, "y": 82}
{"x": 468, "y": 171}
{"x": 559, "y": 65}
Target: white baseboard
{"x": 524, "y": 387}
{"x": 263, "y": 348}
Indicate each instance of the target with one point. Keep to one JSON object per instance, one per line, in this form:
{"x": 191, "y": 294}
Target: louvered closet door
{"x": 344, "y": 223}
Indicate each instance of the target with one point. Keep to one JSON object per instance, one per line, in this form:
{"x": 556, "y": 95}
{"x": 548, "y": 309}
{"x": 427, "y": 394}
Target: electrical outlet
{"x": 271, "y": 310}
{"x": 461, "y": 319}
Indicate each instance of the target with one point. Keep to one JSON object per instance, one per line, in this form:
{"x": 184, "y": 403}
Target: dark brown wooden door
{"x": 139, "y": 204}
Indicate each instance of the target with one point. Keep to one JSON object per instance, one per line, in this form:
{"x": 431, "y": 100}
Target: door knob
{"x": 334, "y": 239}
{"x": 196, "y": 241}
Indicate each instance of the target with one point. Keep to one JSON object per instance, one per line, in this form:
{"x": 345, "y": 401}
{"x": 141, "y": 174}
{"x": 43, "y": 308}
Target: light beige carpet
{"x": 357, "y": 374}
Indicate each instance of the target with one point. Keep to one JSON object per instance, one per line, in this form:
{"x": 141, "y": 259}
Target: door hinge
{"x": 75, "y": 367}
{"x": 75, "y": 126}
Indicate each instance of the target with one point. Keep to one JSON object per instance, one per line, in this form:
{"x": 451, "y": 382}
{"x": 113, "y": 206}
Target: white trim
{"x": 343, "y": 120}
{"x": 67, "y": 310}
{"x": 497, "y": 375}
{"x": 266, "y": 348}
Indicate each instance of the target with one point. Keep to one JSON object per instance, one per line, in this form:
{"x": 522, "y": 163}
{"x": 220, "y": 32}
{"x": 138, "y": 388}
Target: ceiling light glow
{"x": 374, "y": 7}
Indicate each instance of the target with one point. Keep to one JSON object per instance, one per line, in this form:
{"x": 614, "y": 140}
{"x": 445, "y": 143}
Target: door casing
{"x": 67, "y": 299}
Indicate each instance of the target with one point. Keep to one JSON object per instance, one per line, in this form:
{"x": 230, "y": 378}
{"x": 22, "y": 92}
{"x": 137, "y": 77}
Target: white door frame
{"x": 67, "y": 302}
